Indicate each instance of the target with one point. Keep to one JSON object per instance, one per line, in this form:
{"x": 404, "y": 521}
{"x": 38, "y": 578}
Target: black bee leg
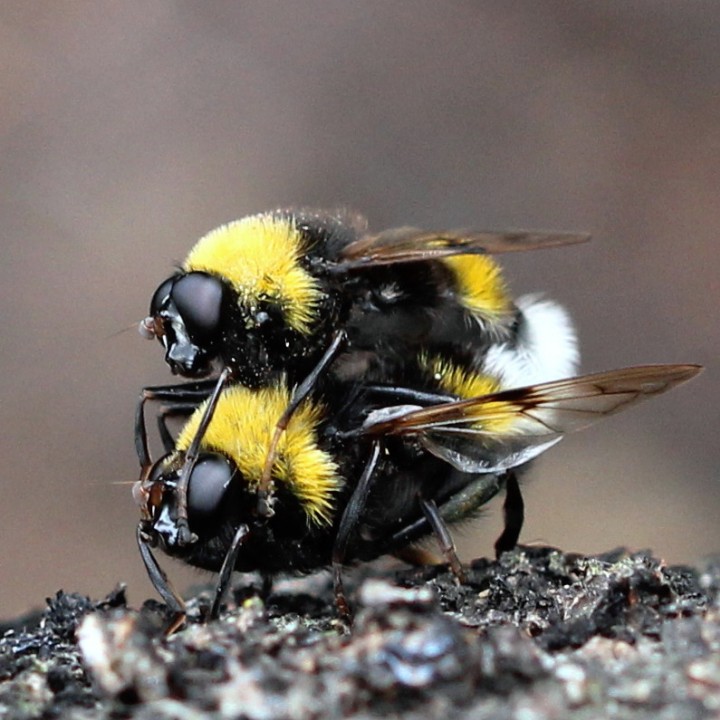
{"x": 348, "y": 523}
{"x": 193, "y": 392}
{"x": 514, "y": 514}
{"x": 267, "y": 585}
{"x": 226, "y": 570}
{"x": 181, "y": 409}
{"x": 459, "y": 507}
{"x": 301, "y": 392}
{"x": 444, "y": 538}
{"x": 185, "y": 394}
{"x": 185, "y": 536}
{"x": 410, "y": 395}
{"x": 141, "y": 439}
{"x": 161, "y": 582}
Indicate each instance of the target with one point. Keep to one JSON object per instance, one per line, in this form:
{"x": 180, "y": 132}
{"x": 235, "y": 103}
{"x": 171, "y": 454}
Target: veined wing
{"x": 408, "y": 244}
{"x": 502, "y": 430}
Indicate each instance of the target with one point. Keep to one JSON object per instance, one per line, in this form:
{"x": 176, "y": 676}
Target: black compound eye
{"x": 198, "y": 299}
{"x": 209, "y": 480}
{"x": 160, "y": 297}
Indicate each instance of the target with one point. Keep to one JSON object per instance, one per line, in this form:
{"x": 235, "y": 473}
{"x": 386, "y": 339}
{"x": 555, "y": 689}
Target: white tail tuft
{"x": 546, "y": 347}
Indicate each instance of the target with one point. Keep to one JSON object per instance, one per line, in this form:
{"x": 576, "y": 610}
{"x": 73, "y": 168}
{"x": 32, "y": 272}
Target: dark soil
{"x": 539, "y": 634}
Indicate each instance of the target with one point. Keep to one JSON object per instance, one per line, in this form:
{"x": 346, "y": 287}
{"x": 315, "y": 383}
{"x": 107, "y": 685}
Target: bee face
{"x": 200, "y": 320}
{"x": 185, "y": 316}
{"x": 161, "y": 497}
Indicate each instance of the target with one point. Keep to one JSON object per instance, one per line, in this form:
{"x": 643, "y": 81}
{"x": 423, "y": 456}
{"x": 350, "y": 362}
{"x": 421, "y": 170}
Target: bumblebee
{"x": 272, "y": 294}
{"x": 543, "y": 347}
{"x": 353, "y": 476}
{"x": 313, "y": 297}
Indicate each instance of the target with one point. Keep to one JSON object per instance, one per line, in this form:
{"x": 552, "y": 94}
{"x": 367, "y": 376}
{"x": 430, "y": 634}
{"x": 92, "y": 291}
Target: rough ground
{"x": 540, "y": 634}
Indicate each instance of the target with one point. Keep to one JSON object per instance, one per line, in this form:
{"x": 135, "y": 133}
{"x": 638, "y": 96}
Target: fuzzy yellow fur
{"x": 259, "y": 256}
{"x": 491, "y": 416}
{"x": 457, "y": 380}
{"x": 241, "y": 429}
{"x": 481, "y": 288}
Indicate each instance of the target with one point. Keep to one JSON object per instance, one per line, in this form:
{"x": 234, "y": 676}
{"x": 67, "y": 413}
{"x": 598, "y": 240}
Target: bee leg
{"x": 459, "y": 507}
{"x": 183, "y": 399}
{"x": 190, "y": 394}
{"x": 514, "y": 514}
{"x": 348, "y": 523}
{"x": 185, "y": 535}
{"x": 181, "y": 409}
{"x": 267, "y": 585}
{"x": 141, "y": 440}
{"x": 301, "y": 392}
{"x": 444, "y": 538}
{"x": 226, "y": 570}
{"x": 161, "y": 583}
{"x": 194, "y": 392}
{"x": 410, "y": 395}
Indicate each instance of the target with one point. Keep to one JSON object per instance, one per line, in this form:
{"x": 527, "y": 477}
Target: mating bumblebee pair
{"x": 372, "y": 389}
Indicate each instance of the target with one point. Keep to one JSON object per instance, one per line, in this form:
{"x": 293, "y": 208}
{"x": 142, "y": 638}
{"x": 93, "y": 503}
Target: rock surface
{"x": 539, "y": 634}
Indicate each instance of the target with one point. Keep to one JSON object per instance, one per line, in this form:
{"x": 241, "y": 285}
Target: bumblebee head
{"x": 173, "y": 518}
{"x": 185, "y": 316}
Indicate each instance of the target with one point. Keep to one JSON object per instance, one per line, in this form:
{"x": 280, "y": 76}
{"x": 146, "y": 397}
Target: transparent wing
{"x": 502, "y": 430}
{"x": 407, "y": 244}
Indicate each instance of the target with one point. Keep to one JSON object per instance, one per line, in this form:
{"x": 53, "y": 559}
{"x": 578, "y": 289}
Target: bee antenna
{"x": 132, "y": 326}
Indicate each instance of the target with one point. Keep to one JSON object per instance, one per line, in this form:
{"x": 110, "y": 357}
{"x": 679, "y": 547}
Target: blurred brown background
{"x": 129, "y": 129}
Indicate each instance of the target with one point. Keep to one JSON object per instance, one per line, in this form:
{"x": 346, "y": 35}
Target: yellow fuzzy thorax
{"x": 260, "y": 257}
{"x": 481, "y": 287}
{"x": 241, "y": 429}
{"x": 492, "y": 416}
